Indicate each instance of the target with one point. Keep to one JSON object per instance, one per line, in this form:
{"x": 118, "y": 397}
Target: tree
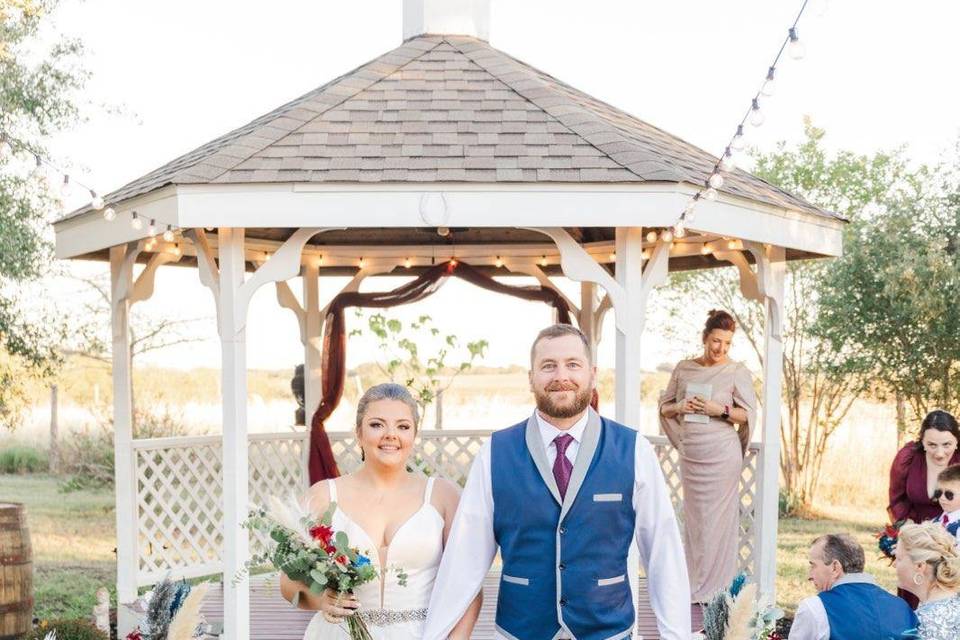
{"x": 36, "y": 89}
{"x": 892, "y": 301}
{"x": 820, "y": 385}
{"x": 403, "y": 361}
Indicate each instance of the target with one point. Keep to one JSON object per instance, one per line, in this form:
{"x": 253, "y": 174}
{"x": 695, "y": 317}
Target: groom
{"x": 563, "y": 495}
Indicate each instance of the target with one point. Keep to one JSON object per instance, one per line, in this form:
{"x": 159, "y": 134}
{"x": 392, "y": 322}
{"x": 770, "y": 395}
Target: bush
{"x": 20, "y": 459}
{"x": 88, "y": 455}
{"x": 67, "y": 630}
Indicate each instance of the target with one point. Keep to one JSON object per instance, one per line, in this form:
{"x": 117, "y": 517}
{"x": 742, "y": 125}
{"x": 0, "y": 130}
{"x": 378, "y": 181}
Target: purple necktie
{"x": 562, "y": 467}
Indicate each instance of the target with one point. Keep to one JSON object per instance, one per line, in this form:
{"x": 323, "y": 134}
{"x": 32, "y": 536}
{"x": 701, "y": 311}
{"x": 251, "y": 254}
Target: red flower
{"x": 324, "y": 535}
{"x": 342, "y": 560}
{"x": 134, "y": 635}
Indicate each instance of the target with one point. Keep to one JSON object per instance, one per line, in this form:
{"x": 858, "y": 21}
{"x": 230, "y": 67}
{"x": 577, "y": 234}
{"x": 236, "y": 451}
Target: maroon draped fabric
{"x": 323, "y": 465}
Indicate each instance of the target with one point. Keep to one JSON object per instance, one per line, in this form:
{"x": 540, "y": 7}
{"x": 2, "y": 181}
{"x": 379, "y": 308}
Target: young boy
{"x": 948, "y": 494}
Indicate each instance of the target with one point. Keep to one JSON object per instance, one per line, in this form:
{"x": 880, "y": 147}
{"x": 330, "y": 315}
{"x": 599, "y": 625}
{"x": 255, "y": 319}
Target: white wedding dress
{"x": 416, "y": 547}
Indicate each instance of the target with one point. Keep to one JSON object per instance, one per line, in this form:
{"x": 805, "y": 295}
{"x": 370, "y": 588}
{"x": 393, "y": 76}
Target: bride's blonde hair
{"x": 930, "y": 543}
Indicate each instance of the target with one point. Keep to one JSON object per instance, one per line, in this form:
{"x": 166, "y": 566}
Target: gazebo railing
{"x": 179, "y": 490}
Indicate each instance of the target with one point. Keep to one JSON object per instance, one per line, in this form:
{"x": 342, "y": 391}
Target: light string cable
{"x": 725, "y": 164}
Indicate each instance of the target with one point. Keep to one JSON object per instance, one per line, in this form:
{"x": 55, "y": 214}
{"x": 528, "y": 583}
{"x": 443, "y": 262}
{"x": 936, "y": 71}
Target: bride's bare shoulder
{"x": 445, "y": 497}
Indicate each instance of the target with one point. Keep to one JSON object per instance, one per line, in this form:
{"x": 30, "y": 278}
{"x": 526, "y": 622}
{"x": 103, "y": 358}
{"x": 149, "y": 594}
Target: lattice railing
{"x": 179, "y": 489}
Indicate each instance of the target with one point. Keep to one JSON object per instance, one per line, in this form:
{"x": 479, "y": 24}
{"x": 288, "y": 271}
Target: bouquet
{"x": 308, "y": 550}
{"x": 887, "y": 539}
{"x": 738, "y": 614}
{"x": 171, "y": 612}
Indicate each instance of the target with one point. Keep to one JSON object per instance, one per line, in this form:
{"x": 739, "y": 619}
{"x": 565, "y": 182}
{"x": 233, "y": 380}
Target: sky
{"x": 169, "y": 76}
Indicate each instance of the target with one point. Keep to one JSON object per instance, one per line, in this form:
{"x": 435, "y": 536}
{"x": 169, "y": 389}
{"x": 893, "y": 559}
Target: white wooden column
{"x": 771, "y": 270}
{"x": 121, "y": 282}
{"x": 312, "y": 340}
{"x": 588, "y": 317}
{"x": 236, "y": 542}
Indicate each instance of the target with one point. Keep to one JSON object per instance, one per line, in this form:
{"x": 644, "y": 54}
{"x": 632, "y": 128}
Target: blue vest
{"x": 863, "y": 611}
{"x": 564, "y": 564}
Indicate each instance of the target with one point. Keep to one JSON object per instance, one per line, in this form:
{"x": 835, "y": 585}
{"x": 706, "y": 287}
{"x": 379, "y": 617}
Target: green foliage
{"x": 67, "y": 630}
{"x": 426, "y": 377}
{"x": 36, "y": 100}
{"x": 19, "y": 459}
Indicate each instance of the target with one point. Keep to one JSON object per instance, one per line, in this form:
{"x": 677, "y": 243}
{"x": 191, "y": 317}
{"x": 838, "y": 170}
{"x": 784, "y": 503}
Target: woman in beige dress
{"x": 708, "y": 412}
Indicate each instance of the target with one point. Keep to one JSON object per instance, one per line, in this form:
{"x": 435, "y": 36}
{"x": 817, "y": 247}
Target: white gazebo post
{"x": 312, "y": 340}
{"x": 588, "y": 317}
{"x": 122, "y": 258}
{"x": 236, "y": 542}
{"x": 771, "y": 271}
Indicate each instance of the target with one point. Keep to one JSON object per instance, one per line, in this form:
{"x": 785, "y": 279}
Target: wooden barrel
{"x": 16, "y": 572}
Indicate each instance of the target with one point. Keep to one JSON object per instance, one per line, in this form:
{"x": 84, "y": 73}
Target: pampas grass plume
{"x": 740, "y": 623}
{"x": 188, "y": 616}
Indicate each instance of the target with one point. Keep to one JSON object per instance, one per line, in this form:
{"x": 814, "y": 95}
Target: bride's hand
{"x": 336, "y": 606}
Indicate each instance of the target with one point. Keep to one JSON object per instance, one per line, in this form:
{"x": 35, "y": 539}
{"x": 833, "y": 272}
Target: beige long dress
{"x": 711, "y": 461}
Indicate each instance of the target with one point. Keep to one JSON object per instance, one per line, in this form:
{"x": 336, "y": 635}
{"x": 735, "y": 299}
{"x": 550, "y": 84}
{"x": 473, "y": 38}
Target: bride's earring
{"x": 917, "y": 579}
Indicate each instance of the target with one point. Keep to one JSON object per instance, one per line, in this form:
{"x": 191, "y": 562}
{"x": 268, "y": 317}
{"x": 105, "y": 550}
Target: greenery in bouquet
{"x": 308, "y": 550}
{"x": 738, "y": 614}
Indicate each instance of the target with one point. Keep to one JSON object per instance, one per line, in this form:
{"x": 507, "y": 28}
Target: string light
{"x": 109, "y": 214}
{"x": 136, "y": 221}
{"x": 769, "y": 85}
{"x": 645, "y": 254}
{"x": 360, "y": 262}
{"x": 679, "y": 230}
{"x": 320, "y": 260}
{"x": 498, "y": 263}
{"x": 95, "y": 201}
{"x": 152, "y": 227}
{"x": 613, "y": 256}
{"x": 408, "y": 263}
{"x": 443, "y": 232}
{"x": 667, "y": 236}
{"x": 543, "y": 261}
{"x": 65, "y": 186}
{"x": 796, "y": 48}
{"x": 754, "y": 115}
{"x": 651, "y": 236}
{"x": 453, "y": 262}
{"x": 705, "y": 250}
{"x": 176, "y": 250}
{"x": 168, "y": 234}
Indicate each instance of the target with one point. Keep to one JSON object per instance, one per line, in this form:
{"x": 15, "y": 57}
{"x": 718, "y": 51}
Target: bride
{"x": 400, "y": 518}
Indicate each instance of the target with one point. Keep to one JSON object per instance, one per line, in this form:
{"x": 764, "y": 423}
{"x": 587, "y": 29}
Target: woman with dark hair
{"x": 913, "y": 474}
{"x": 708, "y": 412}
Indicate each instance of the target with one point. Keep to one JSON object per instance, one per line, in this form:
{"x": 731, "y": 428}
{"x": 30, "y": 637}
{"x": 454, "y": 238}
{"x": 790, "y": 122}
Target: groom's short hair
{"x": 558, "y": 331}
{"x": 844, "y": 549}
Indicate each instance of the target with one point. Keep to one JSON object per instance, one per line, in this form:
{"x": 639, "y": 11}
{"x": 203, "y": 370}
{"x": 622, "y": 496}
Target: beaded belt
{"x": 384, "y": 617}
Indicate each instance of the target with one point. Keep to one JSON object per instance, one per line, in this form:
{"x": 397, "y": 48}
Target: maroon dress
{"x": 908, "y": 493}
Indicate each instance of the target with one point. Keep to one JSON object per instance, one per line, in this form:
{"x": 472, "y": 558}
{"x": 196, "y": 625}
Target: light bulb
{"x": 176, "y": 250}
{"x": 770, "y": 84}
{"x": 95, "y": 201}
{"x": 645, "y": 254}
{"x": 65, "y": 187}
{"x": 408, "y": 263}
{"x": 731, "y": 244}
{"x": 756, "y": 116}
{"x": 109, "y": 214}
{"x": 498, "y": 262}
{"x": 710, "y": 195}
{"x": 727, "y": 163}
{"x": 453, "y": 262}
{"x": 705, "y": 250}
{"x": 360, "y": 262}
{"x": 136, "y": 221}
{"x": 689, "y": 209}
{"x": 679, "y": 230}
{"x": 152, "y": 227}
{"x": 796, "y": 48}
{"x": 613, "y": 256}
{"x": 739, "y": 142}
{"x": 168, "y": 234}
{"x": 667, "y": 236}
{"x": 443, "y": 232}
{"x": 715, "y": 181}
{"x": 320, "y": 260}
{"x": 543, "y": 261}
{"x": 651, "y": 236}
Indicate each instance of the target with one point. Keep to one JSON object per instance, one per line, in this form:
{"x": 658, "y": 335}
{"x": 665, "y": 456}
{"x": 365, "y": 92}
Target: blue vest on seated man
{"x": 857, "y": 609}
{"x": 564, "y": 561}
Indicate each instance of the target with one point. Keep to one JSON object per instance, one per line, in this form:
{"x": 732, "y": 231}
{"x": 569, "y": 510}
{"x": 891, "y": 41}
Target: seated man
{"x": 850, "y": 605}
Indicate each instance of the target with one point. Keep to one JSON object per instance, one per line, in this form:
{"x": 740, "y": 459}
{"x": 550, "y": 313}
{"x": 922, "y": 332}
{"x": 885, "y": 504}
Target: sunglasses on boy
{"x": 946, "y": 494}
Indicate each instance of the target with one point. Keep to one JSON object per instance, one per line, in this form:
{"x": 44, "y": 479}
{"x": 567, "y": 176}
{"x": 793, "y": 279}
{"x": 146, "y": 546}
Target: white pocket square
{"x": 608, "y": 497}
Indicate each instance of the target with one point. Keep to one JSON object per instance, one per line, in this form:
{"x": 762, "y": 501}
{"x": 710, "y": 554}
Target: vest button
{"x": 561, "y": 566}
{"x": 563, "y": 530}
{"x": 563, "y": 602}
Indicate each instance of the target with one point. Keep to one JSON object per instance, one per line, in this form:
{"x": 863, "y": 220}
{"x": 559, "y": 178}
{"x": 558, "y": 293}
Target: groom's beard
{"x": 551, "y": 409}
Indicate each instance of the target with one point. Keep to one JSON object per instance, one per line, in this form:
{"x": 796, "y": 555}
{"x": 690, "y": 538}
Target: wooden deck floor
{"x": 272, "y": 618}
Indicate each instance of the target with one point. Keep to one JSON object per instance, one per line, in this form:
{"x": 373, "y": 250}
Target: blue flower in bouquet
{"x": 362, "y": 561}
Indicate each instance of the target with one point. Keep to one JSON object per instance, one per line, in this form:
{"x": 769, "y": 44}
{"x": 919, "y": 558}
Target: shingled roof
{"x": 449, "y": 109}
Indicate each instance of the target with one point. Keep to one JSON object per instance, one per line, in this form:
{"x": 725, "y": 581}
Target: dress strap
{"x": 332, "y": 485}
{"x": 428, "y": 491}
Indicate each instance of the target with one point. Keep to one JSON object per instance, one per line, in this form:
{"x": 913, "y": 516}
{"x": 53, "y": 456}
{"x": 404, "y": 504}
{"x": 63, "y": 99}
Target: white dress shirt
{"x": 811, "y": 622}
{"x": 471, "y": 546}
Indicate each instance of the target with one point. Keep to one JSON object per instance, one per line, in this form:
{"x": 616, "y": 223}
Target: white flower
{"x": 290, "y": 514}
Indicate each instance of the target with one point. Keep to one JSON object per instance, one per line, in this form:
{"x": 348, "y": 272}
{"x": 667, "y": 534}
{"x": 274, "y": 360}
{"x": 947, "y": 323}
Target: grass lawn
{"x": 73, "y": 542}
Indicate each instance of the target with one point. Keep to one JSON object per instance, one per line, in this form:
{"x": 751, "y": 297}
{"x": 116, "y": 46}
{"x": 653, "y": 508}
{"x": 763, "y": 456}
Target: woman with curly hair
{"x": 928, "y": 566}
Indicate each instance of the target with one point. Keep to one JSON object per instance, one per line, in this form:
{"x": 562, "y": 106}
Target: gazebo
{"x": 442, "y": 148}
